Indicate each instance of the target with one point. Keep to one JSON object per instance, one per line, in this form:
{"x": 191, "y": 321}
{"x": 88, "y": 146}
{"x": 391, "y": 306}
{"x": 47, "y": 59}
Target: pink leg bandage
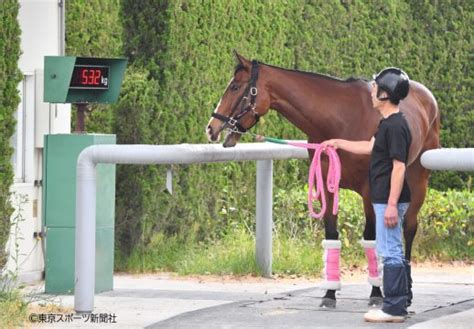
{"x": 332, "y": 272}
{"x": 375, "y": 273}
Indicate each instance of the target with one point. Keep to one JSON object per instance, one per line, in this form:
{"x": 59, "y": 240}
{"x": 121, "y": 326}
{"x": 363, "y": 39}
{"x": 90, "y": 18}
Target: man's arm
{"x": 359, "y": 147}
{"x": 396, "y": 184}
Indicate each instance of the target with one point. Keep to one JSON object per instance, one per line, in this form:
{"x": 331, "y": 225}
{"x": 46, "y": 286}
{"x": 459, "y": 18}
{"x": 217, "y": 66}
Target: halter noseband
{"x": 251, "y": 92}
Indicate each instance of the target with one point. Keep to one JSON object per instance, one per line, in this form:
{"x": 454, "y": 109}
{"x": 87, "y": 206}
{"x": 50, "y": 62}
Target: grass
{"x": 13, "y": 310}
{"x": 445, "y": 230}
{"x": 16, "y": 305}
{"x": 234, "y": 254}
{"x": 296, "y": 256}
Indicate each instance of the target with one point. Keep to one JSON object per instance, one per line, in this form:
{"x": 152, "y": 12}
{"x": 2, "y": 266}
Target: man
{"x": 390, "y": 194}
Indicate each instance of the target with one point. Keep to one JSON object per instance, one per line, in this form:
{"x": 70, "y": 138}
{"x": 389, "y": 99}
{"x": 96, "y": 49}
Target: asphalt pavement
{"x": 443, "y": 298}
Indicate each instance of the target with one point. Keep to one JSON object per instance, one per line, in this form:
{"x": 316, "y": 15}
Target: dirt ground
{"x": 352, "y": 274}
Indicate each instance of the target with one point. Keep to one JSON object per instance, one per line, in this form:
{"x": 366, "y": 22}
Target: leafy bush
{"x": 445, "y": 222}
{"x": 134, "y": 111}
{"x": 10, "y": 77}
{"x": 100, "y": 35}
{"x": 184, "y": 48}
{"x": 445, "y": 233}
{"x": 446, "y": 226}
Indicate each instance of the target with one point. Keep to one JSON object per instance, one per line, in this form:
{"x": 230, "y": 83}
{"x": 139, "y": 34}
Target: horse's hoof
{"x": 328, "y": 303}
{"x": 375, "y": 301}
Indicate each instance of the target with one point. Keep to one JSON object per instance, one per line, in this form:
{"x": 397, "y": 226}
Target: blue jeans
{"x": 389, "y": 239}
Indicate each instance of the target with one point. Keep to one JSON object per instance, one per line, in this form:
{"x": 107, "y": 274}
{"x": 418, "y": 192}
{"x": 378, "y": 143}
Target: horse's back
{"x": 421, "y": 110}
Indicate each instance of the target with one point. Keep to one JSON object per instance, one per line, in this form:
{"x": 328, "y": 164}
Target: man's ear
{"x": 241, "y": 60}
{"x": 382, "y": 94}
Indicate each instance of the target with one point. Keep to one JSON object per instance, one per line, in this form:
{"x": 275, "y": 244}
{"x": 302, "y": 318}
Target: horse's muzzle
{"x": 231, "y": 140}
{"x": 211, "y": 135}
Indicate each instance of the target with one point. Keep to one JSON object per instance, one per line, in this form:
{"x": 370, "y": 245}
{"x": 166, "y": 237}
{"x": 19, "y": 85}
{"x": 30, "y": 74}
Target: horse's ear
{"x": 240, "y": 59}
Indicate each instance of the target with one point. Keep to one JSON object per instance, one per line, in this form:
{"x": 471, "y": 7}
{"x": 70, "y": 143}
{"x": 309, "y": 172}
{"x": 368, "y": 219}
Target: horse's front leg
{"x": 331, "y": 260}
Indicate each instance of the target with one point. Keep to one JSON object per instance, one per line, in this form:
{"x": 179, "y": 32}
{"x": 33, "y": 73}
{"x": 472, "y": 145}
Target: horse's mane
{"x": 239, "y": 67}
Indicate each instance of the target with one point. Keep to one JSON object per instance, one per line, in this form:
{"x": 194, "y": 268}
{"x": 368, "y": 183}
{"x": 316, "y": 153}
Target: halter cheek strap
{"x": 251, "y": 92}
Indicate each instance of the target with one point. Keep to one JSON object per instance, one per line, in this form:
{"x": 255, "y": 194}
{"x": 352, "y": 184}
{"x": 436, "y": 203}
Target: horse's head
{"x": 243, "y": 103}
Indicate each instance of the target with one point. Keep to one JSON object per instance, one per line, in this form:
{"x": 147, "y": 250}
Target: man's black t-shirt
{"x": 392, "y": 141}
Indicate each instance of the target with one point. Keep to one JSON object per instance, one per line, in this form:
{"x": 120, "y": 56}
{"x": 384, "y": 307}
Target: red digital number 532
{"x": 90, "y": 77}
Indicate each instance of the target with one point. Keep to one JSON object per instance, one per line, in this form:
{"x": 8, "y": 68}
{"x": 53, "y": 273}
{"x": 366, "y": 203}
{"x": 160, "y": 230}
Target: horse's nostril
{"x": 210, "y": 134}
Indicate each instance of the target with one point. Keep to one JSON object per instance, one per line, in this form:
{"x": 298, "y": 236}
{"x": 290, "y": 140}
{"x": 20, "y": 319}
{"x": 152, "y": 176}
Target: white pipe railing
{"x": 449, "y": 159}
{"x": 264, "y": 153}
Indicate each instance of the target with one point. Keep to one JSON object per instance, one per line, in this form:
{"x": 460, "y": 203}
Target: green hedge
{"x": 181, "y": 56}
{"x": 93, "y": 28}
{"x": 186, "y": 46}
{"x": 10, "y": 77}
{"x": 135, "y": 201}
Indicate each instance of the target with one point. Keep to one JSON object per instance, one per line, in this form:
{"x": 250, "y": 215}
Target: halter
{"x": 232, "y": 121}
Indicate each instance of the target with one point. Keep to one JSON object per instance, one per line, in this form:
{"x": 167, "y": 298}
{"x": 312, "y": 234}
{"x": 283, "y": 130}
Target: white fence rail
{"x": 449, "y": 159}
{"x": 263, "y": 153}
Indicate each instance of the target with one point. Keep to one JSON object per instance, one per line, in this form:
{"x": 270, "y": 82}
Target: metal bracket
{"x": 169, "y": 180}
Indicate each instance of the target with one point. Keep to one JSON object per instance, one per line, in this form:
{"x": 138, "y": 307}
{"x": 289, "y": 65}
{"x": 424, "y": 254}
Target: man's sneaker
{"x": 381, "y": 316}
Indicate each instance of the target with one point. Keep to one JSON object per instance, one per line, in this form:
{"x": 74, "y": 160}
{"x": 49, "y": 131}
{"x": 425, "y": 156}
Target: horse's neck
{"x": 319, "y": 106}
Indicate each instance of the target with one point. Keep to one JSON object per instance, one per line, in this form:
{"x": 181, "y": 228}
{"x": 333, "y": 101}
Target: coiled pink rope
{"x": 315, "y": 174}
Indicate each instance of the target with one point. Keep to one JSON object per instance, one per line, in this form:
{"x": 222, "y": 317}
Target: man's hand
{"x": 357, "y": 147}
{"x": 259, "y": 138}
{"x": 331, "y": 142}
{"x": 391, "y": 216}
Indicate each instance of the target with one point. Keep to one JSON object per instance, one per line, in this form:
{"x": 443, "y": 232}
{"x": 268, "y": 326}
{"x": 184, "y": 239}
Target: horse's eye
{"x": 234, "y": 87}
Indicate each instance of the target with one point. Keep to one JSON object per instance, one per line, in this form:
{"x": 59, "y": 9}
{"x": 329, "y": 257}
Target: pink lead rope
{"x": 315, "y": 174}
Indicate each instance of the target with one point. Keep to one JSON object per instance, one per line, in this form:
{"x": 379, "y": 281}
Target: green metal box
{"x": 59, "y": 211}
{"x": 60, "y": 260}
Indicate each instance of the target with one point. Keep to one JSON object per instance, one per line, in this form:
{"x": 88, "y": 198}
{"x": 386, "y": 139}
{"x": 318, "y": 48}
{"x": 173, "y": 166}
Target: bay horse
{"x": 324, "y": 107}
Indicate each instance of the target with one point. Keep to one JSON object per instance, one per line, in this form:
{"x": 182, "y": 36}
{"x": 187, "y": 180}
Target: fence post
{"x": 264, "y": 205}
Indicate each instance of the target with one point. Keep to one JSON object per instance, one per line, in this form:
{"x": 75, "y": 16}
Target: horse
{"x": 324, "y": 107}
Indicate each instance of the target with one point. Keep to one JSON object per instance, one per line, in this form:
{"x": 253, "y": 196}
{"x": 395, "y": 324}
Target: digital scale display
{"x": 90, "y": 77}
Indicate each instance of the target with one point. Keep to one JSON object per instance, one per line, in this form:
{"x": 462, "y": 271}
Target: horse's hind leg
{"x": 417, "y": 177}
{"x": 374, "y": 275}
